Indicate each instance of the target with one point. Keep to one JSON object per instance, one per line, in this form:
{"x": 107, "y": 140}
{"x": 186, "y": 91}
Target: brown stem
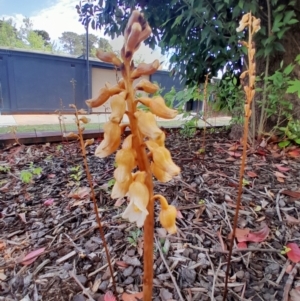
{"x": 143, "y": 164}
{"x": 242, "y": 168}
{"x": 89, "y": 177}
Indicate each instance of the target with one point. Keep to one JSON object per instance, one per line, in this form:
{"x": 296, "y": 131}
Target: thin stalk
{"x": 90, "y": 181}
{"x": 264, "y": 99}
{"x": 144, "y": 165}
{"x": 251, "y": 72}
{"x": 204, "y": 113}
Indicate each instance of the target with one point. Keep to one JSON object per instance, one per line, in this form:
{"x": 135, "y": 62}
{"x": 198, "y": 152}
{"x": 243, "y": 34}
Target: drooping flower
{"x": 145, "y": 69}
{"x": 158, "y": 107}
{"x": 118, "y": 108}
{"x": 243, "y": 23}
{"x": 139, "y": 198}
{"x": 147, "y": 124}
{"x": 162, "y": 158}
{"x": 120, "y": 189}
{"x": 126, "y": 157}
{"x": 146, "y": 86}
{"x": 167, "y": 215}
{"x": 111, "y": 141}
{"x": 160, "y": 174}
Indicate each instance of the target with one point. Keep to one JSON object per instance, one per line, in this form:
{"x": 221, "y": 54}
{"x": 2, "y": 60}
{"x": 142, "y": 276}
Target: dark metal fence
{"x": 39, "y": 83}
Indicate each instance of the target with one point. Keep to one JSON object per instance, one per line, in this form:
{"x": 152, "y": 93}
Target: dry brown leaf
{"x": 291, "y": 220}
{"x": 251, "y": 174}
{"x": 281, "y": 180}
{"x": 80, "y": 193}
{"x": 279, "y": 174}
{"x": 293, "y": 194}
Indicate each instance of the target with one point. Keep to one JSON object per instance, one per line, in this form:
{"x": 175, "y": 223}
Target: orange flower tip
{"x": 167, "y": 218}
{"x": 160, "y": 174}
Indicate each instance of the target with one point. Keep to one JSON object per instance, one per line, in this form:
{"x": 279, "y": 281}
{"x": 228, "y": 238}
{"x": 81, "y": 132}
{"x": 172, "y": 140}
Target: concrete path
{"x": 45, "y": 119}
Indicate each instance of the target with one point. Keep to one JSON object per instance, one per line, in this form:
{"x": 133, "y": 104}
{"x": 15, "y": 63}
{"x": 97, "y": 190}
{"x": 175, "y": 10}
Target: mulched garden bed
{"x": 55, "y": 212}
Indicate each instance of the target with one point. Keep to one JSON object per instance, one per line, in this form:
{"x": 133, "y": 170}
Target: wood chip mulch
{"x": 53, "y": 216}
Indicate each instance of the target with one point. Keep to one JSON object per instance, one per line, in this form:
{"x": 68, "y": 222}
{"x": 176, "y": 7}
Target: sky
{"x": 57, "y": 16}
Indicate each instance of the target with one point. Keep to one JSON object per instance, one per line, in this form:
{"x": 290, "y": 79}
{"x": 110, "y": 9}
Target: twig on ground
{"x": 289, "y": 282}
{"x": 283, "y": 271}
{"x": 85, "y": 291}
{"x": 277, "y": 205}
{"x": 168, "y": 268}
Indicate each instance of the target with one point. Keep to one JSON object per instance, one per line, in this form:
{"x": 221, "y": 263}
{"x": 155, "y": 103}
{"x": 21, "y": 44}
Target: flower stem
{"x": 144, "y": 165}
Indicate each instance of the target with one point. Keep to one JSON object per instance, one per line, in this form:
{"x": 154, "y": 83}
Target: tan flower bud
{"x": 108, "y": 57}
{"x": 145, "y": 34}
{"x": 84, "y": 119}
{"x": 71, "y": 135}
{"x": 255, "y": 25}
{"x": 127, "y": 143}
{"x": 135, "y": 16}
{"x": 120, "y": 189}
{"x": 162, "y": 158}
{"x": 158, "y": 107}
{"x": 121, "y": 83}
{"x": 146, "y": 86}
{"x": 114, "y": 90}
{"x": 104, "y": 95}
{"x": 126, "y": 157}
{"x": 160, "y": 174}
{"x": 243, "y": 23}
{"x": 82, "y": 111}
{"x": 122, "y": 174}
{"x": 88, "y": 142}
{"x": 133, "y": 38}
{"x": 243, "y": 75}
{"x": 147, "y": 124}
{"x": 118, "y": 108}
{"x": 145, "y": 69}
{"x": 167, "y": 215}
{"x": 111, "y": 141}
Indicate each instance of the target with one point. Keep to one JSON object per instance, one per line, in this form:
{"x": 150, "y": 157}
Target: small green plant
{"x": 294, "y": 85}
{"x": 189, "y": 128}
{"x": 111, "y": 183}
{"x": 76, "y": 173}
{"x": 229, "y": 98}
{"x": 59, "y": 147}
{"x": 27, "y": 174}
{"x": 4, "y": 168}
{"x": 134, "y": 237}
{"x": 291, "y": 133}
{"x": 277, "y": 103}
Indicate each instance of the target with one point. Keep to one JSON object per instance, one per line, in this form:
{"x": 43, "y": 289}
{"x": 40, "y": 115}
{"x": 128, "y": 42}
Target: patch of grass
{"x": 49, "y": 128}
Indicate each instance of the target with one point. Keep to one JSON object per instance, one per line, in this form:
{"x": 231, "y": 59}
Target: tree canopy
{"x": 75, "y": 44}
{"x": 200, "y": 35}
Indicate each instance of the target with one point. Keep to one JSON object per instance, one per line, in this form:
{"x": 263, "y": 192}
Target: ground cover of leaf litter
{"x": 50, "y": 247}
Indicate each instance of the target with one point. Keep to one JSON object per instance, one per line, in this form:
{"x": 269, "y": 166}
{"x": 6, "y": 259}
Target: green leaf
{"x": 294, "y": 87}
{"x": 292, "y": 21}
{"x": 288, "y": 16}
{"x": 283, "y": 144}
{"x": 288, "y": 69}
{"x": 297, "y": 140}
